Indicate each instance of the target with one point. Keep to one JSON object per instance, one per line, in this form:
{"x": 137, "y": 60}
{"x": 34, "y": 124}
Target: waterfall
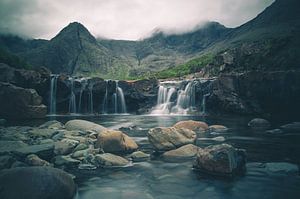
{"x": 120, "y": 94}
{"x": 72, "y": 101}
{"x": 184, "y": 103}
{"x": 91, "y": 105}
{"x": 203, "y": 105}
{"x": 83, "y": 83}
{"x": 105, "y": 102}
{"x": 53, "y": 90}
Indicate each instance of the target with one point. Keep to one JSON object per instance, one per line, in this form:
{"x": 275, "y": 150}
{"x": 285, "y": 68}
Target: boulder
{"x": 168, "y": 138}
{"x": 36, "y": 183}
{"x": 110, "y": 160}
{"x": 139, "y": 156}
{"x": 259, "y": 123}
{"x": 42, "y": 133}
{"x": 22, "y": 103}
{"x": 217, "y": 128}
{"x": 112, "y": 141}
{"x": 8, "y": 146}
{"x": 65, "y": 146}
{"x": 53, "y": 124}
{"x": 291, "y": 128}
{"x": 65, "y": 161}
{"x": 221, "y": 160}
{"x": 83, "y": 125}
{"x": 34, "y": 160}
{"x": 192, "y": 125}
{"x": 183, "y": 153}
{"x": 44, "y": 151}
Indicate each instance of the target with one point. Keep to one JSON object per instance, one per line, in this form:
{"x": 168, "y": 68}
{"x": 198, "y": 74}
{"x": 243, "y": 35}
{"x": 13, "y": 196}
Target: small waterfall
{"x": 184, "y": 103}
{"x": 83, "y": 83}
{"x": 120, "y": 94}
{"x": 105, "y": 102}
{"x": 72, "y": 101}
{"x": 53, "y": 91}
{"x": 203, "y": 104}
{"x": 91, "y": 105}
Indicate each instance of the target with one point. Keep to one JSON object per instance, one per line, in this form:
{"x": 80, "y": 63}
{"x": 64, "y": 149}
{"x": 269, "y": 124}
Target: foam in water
{"x": 53, "y": 91}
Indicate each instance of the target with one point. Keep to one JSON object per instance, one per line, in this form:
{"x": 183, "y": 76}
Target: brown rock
{"x": 192, "y": 125}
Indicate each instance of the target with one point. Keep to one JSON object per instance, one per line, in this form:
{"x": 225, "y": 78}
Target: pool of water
{"x": 163, "y": 180}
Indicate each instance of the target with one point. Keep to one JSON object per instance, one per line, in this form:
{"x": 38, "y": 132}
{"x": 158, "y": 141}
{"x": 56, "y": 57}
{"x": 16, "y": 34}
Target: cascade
{"x": 105, "y": 102}
{"x": 53, "y": 91}
{"x": 120, "y": 94}
{"x": 72, "y": 101}
{"x": 83, "y": 83}
{"x": 91, "y": 105}
{"x": 203, "y": 104}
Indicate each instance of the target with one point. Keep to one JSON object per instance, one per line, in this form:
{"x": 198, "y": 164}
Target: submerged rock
{"x": 192, "y": 125}
{"x": 259, "y": 123}
{"x": 292, "y": 127}
{"x": 221, "y": 160}
{"x": 53, "y": 124}
{"x": 115, "y": 142}
{"x": 83, "y": 125}
{"x": 282, "y": 168}
{"x": 139, "y": 156}
{"x": 217, "y": 128}
{"x": 168, "y": 138}
{"x": 110, "y": 160}
{"x": 36, "y": 183}
{"x": 185, "y": 152}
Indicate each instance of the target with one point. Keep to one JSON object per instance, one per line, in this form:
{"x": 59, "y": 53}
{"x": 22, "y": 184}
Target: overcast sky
{"x": 122, "y": 19}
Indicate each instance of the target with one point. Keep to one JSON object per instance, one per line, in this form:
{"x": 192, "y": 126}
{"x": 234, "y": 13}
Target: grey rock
{"x": 139, "y": 156}
{"x": 34, "y": 160}
{"x": 66, "y": 161}
{"x": 282, "y": 168}
{"x": 168, "y": 138}
{"x": 86, "y": 167}
{"x": 186, "y": 152}
{"x": 259, "y": 123}
{"x": 110, "y": 160}
{"x": 217, "y": 128}
{"x": 292, "y": 127}
{"x": 8, "y": 146}
{"x": 19, "y": 164}
{"x": 53, "y": 124}
{"x": 42, "y": 133}
{"x": 36, "y": 183}
{"x": 80, "y": 147}
{"x": 44, "y": 151}
{"x": 274, "y": 131}
{"x": 83, "y": 125}
{"x": 65, "y": 146}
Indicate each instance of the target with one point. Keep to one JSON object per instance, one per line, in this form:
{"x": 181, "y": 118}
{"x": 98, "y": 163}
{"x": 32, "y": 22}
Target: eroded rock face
{"x": 83, "y": 125}
{"x": 185, "y": 152}
{"x": 220, "y": 160}
{"x": 115, "y": 142}
{"x": 36, "y": 183}
{"x": 168, "y": 138}
{"x": 20, "y": 103}
{"x": 192, "y": 125}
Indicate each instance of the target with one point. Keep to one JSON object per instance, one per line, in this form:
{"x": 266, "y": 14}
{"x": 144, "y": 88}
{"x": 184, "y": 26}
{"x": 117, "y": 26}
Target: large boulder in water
{"x": 168, "y": 138}
{"x": 20, "y": 103}
{"x": 83, "y": 125}
{"x": 192, "y": 125}
{"x": 115, "y": 142}
{"x": 221, "y": 160}
{"x": 183, "y": 153}
{"x": 36, "y": 183}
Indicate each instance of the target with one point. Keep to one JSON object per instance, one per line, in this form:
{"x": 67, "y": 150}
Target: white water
{"x": 91, "y": 104}
{"x": 53, "y": 91}
{"x": 168, "y": 104}
{"x": 83, "y": 83}
{"x": 72, "y": 101}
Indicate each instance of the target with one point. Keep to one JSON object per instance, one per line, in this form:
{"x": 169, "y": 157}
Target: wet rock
{"x": 292, "y": 127}
{"x": 274, "y": 131}
{"x": 139, "y": 156}
{"x": 18, "y": 164}
{"x": 44, "y": 151}
{"x": 34, "y": 160}
{"x": 65, "y": 146}
{"x": 115, "y": 142}
{"x": 47, "y": 141}
{"x": 66, "y": 161}
{"x": 6, "y": 161}
{"x": 53, "y": 124}
{"x": 42, "y": 133}
{"x": 259, "y": 123}
{"x": 86, "y": 167}
{"x": 217, "y": 128}
{"x": 8, "y": 146}
{"x": 183, "y": 153}
{"x": 221, "y": 160}
{"x": 36, "y": 183}
{"x": 110, "y": 160}
{"x": 80, "y": 147}
{"x": 29, "y": 103}
{"x": 282, "y": 168}
{"x": 83, "y": 125}
{"x": 168, "y": 138}
{"x": 192, "y": 125}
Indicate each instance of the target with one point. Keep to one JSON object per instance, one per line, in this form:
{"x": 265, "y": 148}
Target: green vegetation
{"x": 13, "y": 60}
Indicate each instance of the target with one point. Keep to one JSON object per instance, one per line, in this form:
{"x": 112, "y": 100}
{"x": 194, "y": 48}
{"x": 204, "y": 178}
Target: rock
{"x": 65, "y": 146}
{"x": 2, "y": 122}
{"x": 18, "y": 164}
{"x": 34, "y": 160}
{"x": 47, "y": 141}
{"x": 139, "y": 156}
{"x": 192, "y": 125}
{"x": 221, "y": 160}
{"x": 292, "y": 127}
{"x": 183, "y": 153}
{"x": 168, "y": 138}
{"x": 66, "y": 161}
{"x": 44, "y": 151}
{"x": 53, "y": 124}
{"x": 22, "y": 103}
{"x": 6, "y": 161}
{"x": 87, "y": 167}
{"x": 83, "y": 125}
{"x": 274, "y": 131}
{"x": 8, "y": 146}
{"x": 36, "y": 183}
{"x": 259, "y": 123}
{"x": 115, "y": 142}
{"x": 282, "y": 168}
{"x": 217, "y": 128}
{"x": 80, "y": 147}
{"x": 84, "y": 153}
{"x": 110, "y": 160}
{"x": 42, "y": 133}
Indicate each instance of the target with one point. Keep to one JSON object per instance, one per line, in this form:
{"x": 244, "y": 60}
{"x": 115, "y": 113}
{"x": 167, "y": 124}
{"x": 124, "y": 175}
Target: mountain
{"x": 268, "y": 42}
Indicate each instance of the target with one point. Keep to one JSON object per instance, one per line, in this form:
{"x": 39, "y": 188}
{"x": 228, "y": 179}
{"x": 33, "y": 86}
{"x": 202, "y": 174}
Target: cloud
{"x": 122, "y": 19}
